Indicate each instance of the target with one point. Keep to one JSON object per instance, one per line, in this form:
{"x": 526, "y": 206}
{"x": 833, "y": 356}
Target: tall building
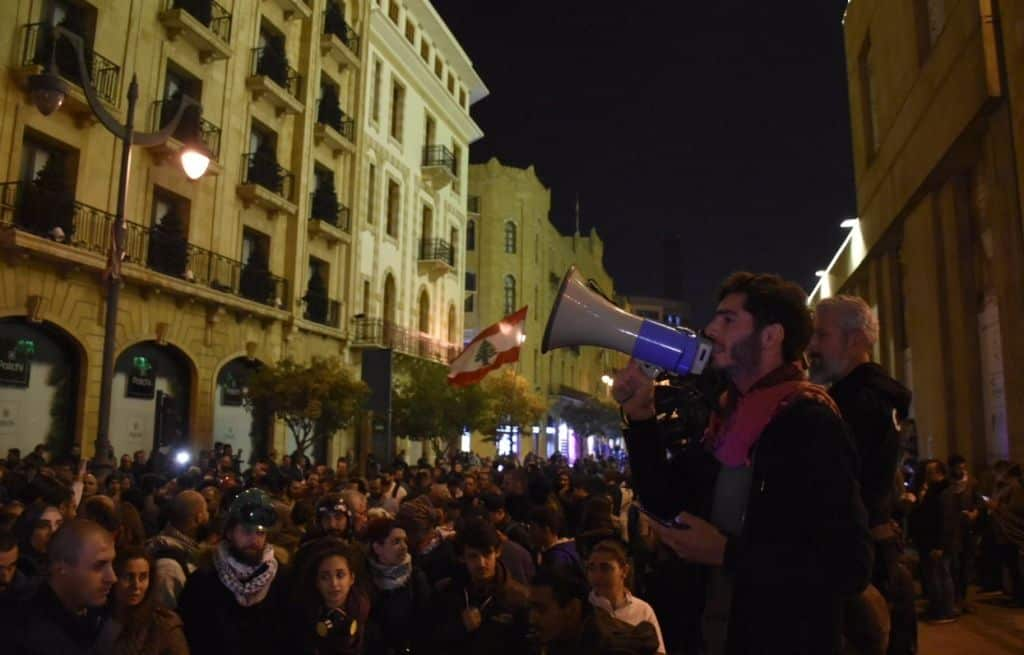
{"x": 937, "y": 107}
{"x": 270, "y": 254}
{"x": 516, "y": 257}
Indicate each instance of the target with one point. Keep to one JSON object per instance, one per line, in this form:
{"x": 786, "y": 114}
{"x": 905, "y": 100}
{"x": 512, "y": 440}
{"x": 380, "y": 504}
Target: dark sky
{"x": 724, "y": 121}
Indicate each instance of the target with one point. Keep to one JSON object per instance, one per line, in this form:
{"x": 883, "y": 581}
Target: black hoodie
{"x": 873, "y": 403}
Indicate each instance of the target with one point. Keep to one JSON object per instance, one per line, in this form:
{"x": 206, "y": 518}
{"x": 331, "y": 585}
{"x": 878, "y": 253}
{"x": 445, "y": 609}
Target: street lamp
{"x": 48, "y": 92}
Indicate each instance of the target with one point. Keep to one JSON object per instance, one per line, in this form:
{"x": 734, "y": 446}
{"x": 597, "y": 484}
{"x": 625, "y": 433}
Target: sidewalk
{"x": 991, "y": 630}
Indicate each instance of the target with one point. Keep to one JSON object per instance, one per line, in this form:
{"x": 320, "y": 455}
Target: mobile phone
{"x": 668, "y": 523}
{"x": 986, "y": 499}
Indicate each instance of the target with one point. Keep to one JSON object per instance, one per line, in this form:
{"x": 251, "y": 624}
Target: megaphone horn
{"x": 582, "y": 316}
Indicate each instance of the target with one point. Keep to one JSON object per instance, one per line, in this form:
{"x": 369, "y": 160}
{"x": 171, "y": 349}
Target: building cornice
{"x": 416, "y": 72}
{"x": 449, "y": 46}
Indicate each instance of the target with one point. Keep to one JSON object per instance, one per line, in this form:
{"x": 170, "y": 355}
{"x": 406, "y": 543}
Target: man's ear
{"x": 771, "y": 335}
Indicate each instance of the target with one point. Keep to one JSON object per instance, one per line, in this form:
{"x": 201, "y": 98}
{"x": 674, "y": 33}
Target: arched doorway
{"x": 143, "y": 373}
{"x": 40, "y": 366}
{"x": 233, "y": 424}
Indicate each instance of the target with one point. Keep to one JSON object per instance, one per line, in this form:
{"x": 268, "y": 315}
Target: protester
{"x": 607, "y": 571}
{"x": 934, "y": 525}
{"x": 234, "y": 601}
{"x": 785, "y": 537}
{"x": 483, "y": 610}
{"x": 329, "y": 612}
{"x": 66, "y": 613}
{"x": 176, "y": 549}
{"x": 34, "y": 528}
{"x": 553, "y": 550}
{"x": 138, "y": 624}
{"x": 15, "y": 586}
{"x": 401, "y": 596}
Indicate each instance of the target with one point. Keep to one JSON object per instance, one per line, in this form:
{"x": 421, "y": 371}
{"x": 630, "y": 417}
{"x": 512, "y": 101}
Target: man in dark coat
{"x": 483, "y": 610}
{"x": 873, "y": 404}
{"x": 934, "y": 526}
{"x": 235, "y": 601}
{"x": 66, "y": 613}
{"x": 773, "y": 505}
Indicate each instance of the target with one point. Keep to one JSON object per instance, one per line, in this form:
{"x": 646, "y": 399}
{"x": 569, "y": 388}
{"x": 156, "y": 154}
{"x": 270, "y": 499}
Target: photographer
{"x": 770, "y": 498}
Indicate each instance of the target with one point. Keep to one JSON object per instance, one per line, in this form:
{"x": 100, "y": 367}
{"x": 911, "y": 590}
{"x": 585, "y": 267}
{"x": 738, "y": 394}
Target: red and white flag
{"x": 493, "y": 347}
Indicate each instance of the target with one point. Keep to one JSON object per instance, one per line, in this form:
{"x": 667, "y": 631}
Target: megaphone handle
{"x": 650, "y": 370}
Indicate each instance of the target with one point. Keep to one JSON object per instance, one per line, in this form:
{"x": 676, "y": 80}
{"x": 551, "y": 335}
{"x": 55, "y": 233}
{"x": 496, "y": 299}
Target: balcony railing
{"x": 387, "y": 334}
{"x": 335, "y": 118}
{"x": 209, "y": 134}
{"x": 209, "y": 13}
{"x": 337, "y": 26}
{"x": 437, "y": 250}
{"x": 105, "y": 74}
{"x": 88, "y": 228}
{"x": 264, "y": 170}
{"x": 341, "y": 220}
{"x": 439, "y": 156}
{"x": 473, "y": 204}
{"x": 274, "y": 64}
{"x": 328, "y": 313}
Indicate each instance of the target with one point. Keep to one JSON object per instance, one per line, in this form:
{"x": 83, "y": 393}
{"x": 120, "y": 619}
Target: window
{"x": 389, "y": 298}
{"x": 451, "y": 84}
{"x": 427, "y": 225}
{"x": 457, "y": 157}
{"x": 397, "y": 109}
{"x": 255, "y": 248}
{"x": 869, "y": 107}
{"x": 424, "y": 322}
{"x": 470, "y": 281}
{"x": 468, "y": 305}
{"x": 471, "y": 235}
{"x": 410, "y": 32}
{"x": 375, "y": 108}
{"x": 429, "y": 131}
{"x": 47, "y": 164}
{"x": 177, "y": 83}
{"x": 510, "y": 237}
{"x": 394, "y": 192}
{"x": 393, "y": 11}
{"x": 453, "y": 240}
{"x": 452, "y": 324}
{"x": 462, "y": 98}
{"x": 371, "y": 201}
{"x": 930, "y": 16}
{"x": 439, "y": 68}
{"x": 170, "y": 211}
{"x": 425, "y": 50}
{"x": 366, "y": 297}
{"x": 510, "y": 294}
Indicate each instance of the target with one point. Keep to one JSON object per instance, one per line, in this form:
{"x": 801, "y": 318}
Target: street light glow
{"x": 194, "y": 162}
{"x": 850, "y": 223}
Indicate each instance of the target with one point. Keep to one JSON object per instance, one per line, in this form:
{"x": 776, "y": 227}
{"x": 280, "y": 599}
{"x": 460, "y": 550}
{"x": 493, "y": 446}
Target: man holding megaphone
{"x": 770, "y": 499}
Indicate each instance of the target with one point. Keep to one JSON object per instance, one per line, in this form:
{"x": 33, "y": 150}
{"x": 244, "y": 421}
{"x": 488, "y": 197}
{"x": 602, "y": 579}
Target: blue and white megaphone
{"x": 582, "y": 316}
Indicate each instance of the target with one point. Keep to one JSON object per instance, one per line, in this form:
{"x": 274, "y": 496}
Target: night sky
{"x": 724, "y": 121}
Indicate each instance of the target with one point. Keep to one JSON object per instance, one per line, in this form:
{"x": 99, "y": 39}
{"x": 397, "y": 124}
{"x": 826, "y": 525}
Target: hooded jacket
{"x": 873, "y": 404}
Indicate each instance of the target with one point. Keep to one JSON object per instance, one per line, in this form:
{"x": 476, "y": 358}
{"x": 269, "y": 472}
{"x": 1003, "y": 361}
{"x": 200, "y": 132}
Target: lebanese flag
{"x": 492, "y": 348}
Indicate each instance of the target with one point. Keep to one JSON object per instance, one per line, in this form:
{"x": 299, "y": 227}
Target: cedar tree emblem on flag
{"x": 493, "y": 347}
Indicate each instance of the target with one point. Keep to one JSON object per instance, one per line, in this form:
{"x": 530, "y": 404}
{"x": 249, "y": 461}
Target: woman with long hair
{"x": 34, "y": 528}
{"x": 329, "y": 609}
{"x": 139, "y": 625}
{"x": 607, "y": 572}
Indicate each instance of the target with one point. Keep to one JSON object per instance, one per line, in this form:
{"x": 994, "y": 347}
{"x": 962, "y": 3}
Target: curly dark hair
{"x": 771, "y": 299}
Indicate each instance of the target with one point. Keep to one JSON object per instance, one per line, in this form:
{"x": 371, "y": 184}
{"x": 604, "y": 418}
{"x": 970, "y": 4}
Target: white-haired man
{"x": 873, "y": 404}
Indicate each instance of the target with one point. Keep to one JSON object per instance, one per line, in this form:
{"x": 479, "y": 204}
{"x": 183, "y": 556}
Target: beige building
{"x": 937, "y": 102}
{"x": 266, "y": 256}
{"x": 516, "y": 257}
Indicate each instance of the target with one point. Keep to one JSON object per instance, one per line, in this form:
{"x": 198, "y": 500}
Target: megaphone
{"x": 582, "y": 316}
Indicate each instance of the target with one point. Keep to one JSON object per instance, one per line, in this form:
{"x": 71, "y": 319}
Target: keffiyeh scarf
{"x": 249, "y": 584}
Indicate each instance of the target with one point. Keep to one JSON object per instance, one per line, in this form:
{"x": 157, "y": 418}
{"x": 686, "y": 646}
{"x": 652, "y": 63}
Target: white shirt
{"x": 633, "y": 612}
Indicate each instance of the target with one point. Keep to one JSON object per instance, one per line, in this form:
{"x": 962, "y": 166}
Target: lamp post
{"x": 48, "y": 92}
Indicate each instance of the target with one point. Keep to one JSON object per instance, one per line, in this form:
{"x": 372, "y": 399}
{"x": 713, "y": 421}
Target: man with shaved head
{"x": 65, "y": 615}
{"x": 176, "y": 549}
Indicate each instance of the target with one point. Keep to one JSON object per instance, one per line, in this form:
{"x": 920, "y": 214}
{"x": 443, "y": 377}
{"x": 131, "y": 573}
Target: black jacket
{"x": 41, "y": 626}
{"x": 215, "y": 624}
{"x": 400, "y": 618}
{"x": 872, "y": 403}
{"x": 504, "y": 607}
{"x": 935, "y": 522}
{"x": 804, "y": 545}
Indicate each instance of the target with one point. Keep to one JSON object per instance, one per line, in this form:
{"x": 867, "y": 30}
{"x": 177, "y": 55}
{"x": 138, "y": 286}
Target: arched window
{"x": 452, "y": 335}
{"x": 471, "y": 235}
{"x": 510, "y": 294}
{"x": 424, "y": 312}
{"x": 389, "y": 299}
{"x": 510, "y": 237}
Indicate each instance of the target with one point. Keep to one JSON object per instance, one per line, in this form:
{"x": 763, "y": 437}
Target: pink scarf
{"x": 746, "y": 415}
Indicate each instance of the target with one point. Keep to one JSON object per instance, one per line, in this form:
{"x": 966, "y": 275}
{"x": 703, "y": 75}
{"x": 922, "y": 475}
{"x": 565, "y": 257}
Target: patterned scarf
{"x": 249, "y": 584}
{"x": 745, "y": 416}
{"x": 391, "y": 577}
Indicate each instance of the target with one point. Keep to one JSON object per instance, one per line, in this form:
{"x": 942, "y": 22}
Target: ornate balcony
{"x": 188, "y": 129}
{"x": 439, "y": 166}
{"x": 378, "y": 333}
{"x": 331, "y": 226}
{"x": 273, "y": 80}
{"x": 436, "y": 257}
{"x": 334, "y": 130}
{"x": 266, "y": 184}
{"x": 203, "y": 23}
{"x": 339, "y": 41}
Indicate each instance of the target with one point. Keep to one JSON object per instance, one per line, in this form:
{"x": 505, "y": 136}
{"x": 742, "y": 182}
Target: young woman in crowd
{"x": 139, "y": 625}
{"x": 34, "y": 528}
{"x": 399, "y": 618}
{"x": 607, "y": 573}
{"x": 330, "y": 611}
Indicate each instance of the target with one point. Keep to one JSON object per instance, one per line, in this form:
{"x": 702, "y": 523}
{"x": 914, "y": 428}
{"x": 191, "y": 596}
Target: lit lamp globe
{"x": 47, "y": 92}
{"x": 194, "y": 162}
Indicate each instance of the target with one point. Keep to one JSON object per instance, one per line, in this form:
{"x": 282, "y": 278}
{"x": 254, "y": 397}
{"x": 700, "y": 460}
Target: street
{"x": 991, "y": 630}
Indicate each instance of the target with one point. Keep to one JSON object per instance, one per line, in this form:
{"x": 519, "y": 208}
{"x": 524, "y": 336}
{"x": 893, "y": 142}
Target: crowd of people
{"x": 788, "y": 526}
